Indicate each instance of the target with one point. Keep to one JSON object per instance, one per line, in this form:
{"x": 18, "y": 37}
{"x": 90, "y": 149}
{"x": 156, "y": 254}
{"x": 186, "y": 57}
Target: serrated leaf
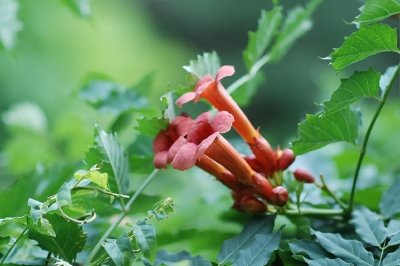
{"x": 328, "y": 262}
{"x": 369, "y": 226}
{"x": 120, "y": 250}
{"x": 69, "y": 238}
{"x": 367, "y": 41}
{"x": 377, "y": 10}
{"x": 231, "y": 248}
{"x": 110, "y": 156}
{"x": 259, "y": 252}
{"x": 296, "y": 24}
{"x": 145, "y": 236}
{"x": 207, "y": 63}
{"x": 319, "y": 130}
{"x": 9, "y": 23}
{"x": 360, "y": 84}
{"x": 392, "y": 259}
{"x": 390, "y": 202}
{"x": 268, "y": 25}
{"x": 311, "y": 248}
{"x": 351, "y": 251}
{"x": 182, "y": 258}
{"x": 80, "y": 7}
{"x": 94, "y": 176}
{"x": 151, "y": 126}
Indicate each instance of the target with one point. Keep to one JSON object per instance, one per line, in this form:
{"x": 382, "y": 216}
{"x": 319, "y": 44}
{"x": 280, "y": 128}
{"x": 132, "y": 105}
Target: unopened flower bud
{"x": 249, "y": 204}
{"x": 303, "y": 176}
{"x": 280, "y": 196}
{"x": 286, "y": 159}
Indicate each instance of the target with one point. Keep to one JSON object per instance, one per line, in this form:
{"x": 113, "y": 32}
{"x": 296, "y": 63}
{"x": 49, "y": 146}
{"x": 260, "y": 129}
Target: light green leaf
{"x": 387, "y": 77}
{"x": 69, "y": 238}
{"x": 9, "y": 23}
{"x": 392, "y": 259}
{"x": 257, "y": 225}
{"x": 151, "y": 126}
{"x": 19, "y": 220}
{"x": 110, "y": 156}
{"x": 268, "y": 25}
{"x": 312, "y": 249}
{"x": 351, "y": 251}
{"x": 367, "y": 41}
{"x": 207, "y": 63}
{"x": 296, "y": 24}
{"x": 64, "y": 195}
{"x": 81, "y": 7}
{"x": 259, "y": 252}
{"x": 360, "y": 84}
{"x": 323, "y": 129}
{"x": 37, "y": 220}
{"x": 120, "y": 250}
{"x": 369, "y": 226}
{"x": 145, "y": 236}
{"x": 182, "y": 258}
{"x": 328, "y": 262}
{"x": 390, "y": 203}
{"x": 376, "y": 10}
{"x": 96, "y": 177}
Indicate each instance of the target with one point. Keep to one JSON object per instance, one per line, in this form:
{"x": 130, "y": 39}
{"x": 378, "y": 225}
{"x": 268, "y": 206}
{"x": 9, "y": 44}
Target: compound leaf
{"x": 327, "y": 262}
{"x": 207, "y": 63}
{"x": 390, "y": 203}
{"x": 377, "y": 10}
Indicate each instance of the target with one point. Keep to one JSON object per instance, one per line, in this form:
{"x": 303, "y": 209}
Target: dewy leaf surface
{"x": 207, "y": 63}
{"x": 376, "y": 10}
{"x": 9, "y": 23}
{"x": 360, "y": 84}
{"x": 350, "y": 251}
{"x": 256, "y": 225}
{"x": 268, "y": 25}
{"x": 367, "y": 41}
{"x": 390, "y": 203}
{"x": 369, "y": 226}
{"x": 323, "y": 129}
{"x": 110, "y": 156}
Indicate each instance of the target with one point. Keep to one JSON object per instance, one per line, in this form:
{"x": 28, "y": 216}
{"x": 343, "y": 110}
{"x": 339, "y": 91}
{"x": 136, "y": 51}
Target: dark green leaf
{"x": 369, "y": 226}
{"x": 328, "y": 262}
{"x": 296, "y": 24}
{"x": 360, "y": 84}
{"x": 145, "y": 236}
{"x": 120, "y": 250}
{"x": 81, "y": 7}
{"x": 141, "y": 155}
{"x": 392, "y": 259}
{"x": 9, "y": 23}
{"x": 109, "y": 155}
{"x": 323, "y": 129}
{"x": 390, "y": 203}
{"x": 256, "y": 225}
{"x": 208, "y": 63}
{"x": 312, "y": 249}
{"x": 69, "y": 238}
{"x": 259, "y": 252}
{"x": 268, "y": 25}
{"x": 351, "y": 251}
{"x": 181, "y": 258}
{"x": 376, "y": 10}
{"x": 367, "y": 41}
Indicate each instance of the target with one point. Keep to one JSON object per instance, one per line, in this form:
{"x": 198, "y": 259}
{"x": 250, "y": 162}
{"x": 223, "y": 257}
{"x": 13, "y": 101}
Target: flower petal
{"x": 186, "y": 157}
{"x": 187, "y": 97}
{"x": 182, "y": 124}
{"x": 200, "y": 129}
{"x": 201, "y": 88}
{"x": 203, "y": 146}
{"x": 222, "y": 122}
{"x": 225, "y": 71}
{"x": 160, "y": 159}
{"x": 162, "y": 142}
{"x": 173, "y": 150}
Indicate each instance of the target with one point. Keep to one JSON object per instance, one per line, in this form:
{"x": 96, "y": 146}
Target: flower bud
{"x": 249, "y": 203}
{"x": 303, "y": 176}
{"x": 286, "y": 159}
{"x": 280, "y": 196}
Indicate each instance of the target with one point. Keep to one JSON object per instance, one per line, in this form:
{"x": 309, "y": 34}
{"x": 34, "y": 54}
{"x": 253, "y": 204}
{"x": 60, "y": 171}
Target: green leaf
{"x": 328, "y": 262}
{"x": 120, "y": 250}
{"x": 7, "y": 220}
{"x": 109, "y": 155}
{"x": 64, "y": 194}
{"x": 393, "y": 228}
{"x": 360, "y": 84}
{"x": 351, "y": 251}
{"x": 268, "y": 25}
{"x": 390, "y": 203}
{"x": 96, "y": 177}
{"x": 145, "y": 236}
{"x": 80, "y": 7}
{"x": 151, "y": 126}
{"x": 182, "y": 258}
{"x": 69, "y": 238}
{"x": 296, "y": 24}
{"x": 392, "y": 259}
{"x": 312, "y": 249}
{"x": 231, "y": 248}
{"x": 9, "y": 23}
{"x": 37, "y": 219}
{"x": 369, "y": 226}
{"x": 245, "y": 93}
{"x": 323, "y": 129}
{"x": 208, "y": 63}
{"x": 259, "y": 252}
{"x": 387, "y": 77}
{"x": 367, "y": 41}
{"x": 395, "y": 240}
{"x": 377, "y": 10}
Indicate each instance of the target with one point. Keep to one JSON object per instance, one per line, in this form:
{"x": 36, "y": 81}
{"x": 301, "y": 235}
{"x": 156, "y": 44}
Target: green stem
{"x": 366, "y": 139}
{"x": 331, "y": 194}
{"x": 12, "y": 246}
{"x": 102, "y": 191}
{"x": 313, "y": 212}
{"x": 121, "y": 216}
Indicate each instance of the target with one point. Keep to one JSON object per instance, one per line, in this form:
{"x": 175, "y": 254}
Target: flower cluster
{"x": 255, "y": 180}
